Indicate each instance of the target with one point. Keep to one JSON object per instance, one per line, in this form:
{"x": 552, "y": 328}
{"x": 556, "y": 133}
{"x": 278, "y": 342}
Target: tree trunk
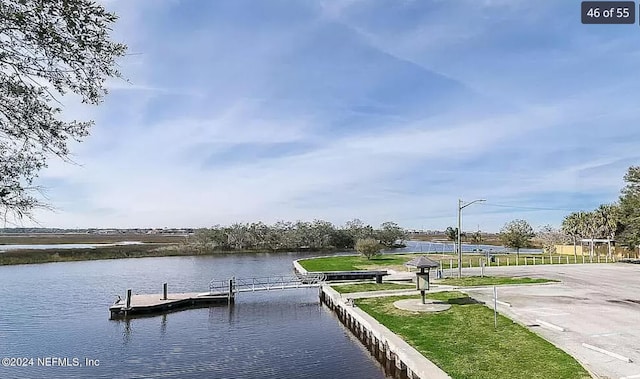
{"x": 575, "y": 249}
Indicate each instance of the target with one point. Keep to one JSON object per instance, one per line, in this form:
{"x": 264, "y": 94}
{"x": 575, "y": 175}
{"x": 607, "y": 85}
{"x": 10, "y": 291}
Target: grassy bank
{"x": 463, "y": 341}
{"x": 34, "y": 256}
{"x": 52, "y": 238}
{"x": 352, "y": 262}
{"x": 68, "y": 255}
{"x": 397, "y": 261}
{"x": 490, "y": 281}
{"x": 367, "y": 287}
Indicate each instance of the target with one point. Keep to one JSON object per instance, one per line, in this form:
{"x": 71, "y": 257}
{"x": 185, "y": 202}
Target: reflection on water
{"x": 61, "y": 310}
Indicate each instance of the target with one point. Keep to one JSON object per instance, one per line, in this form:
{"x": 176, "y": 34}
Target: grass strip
{"x": 464, "y": 343}
{"x": 397, "y": 261}
{"x": 367, "y": 287}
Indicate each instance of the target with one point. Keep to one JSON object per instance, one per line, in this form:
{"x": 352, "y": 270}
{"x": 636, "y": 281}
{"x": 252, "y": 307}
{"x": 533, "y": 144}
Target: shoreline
{"x": 146, "y": 250}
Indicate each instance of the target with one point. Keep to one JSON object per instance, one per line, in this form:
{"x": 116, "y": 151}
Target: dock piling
{"x": 129, "y": 298}
{"x": 230, "y": 294}
{"x": 164, "y": 291}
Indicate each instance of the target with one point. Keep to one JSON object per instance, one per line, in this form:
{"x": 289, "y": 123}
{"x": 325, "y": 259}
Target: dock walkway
{"x": 155, "y": 303}
{"x": 220, "y": 292}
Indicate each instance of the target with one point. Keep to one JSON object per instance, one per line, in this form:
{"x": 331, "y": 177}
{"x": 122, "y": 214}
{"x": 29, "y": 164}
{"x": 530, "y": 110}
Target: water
{"x": 439, "y": 247}
{"x": 61, "y": 310}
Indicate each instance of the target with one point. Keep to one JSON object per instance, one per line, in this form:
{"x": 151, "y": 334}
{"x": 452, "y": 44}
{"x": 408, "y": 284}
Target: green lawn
{"x": 463, "y": 341}
{"x": 489, "y": 281}
{"x": 366, "y": 287}
{"x": 397, "y": 261}
{"x": 352, "y": 263}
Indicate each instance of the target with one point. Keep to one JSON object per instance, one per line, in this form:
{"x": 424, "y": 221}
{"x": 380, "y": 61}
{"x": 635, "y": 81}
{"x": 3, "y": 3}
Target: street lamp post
{"x": 460, "y": 207}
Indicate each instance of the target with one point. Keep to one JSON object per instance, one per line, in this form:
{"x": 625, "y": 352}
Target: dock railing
{"x": 266, "y": 283}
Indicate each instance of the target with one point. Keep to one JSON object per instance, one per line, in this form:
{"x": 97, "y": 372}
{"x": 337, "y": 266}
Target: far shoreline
{"x": 145, "y": 250}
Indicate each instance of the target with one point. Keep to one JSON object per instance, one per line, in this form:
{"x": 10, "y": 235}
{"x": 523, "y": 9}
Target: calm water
{"x": 437, "y": 247}
{"x": 60, "y": 310}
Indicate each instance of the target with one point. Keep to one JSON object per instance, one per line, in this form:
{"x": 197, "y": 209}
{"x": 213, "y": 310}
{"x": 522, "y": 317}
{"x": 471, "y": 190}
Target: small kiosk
{"x": 422, "y": 277}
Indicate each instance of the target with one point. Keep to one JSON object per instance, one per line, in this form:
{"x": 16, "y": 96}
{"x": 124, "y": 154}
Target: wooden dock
{"x": 220, "y": 292}
{"x": 158, "y": 303}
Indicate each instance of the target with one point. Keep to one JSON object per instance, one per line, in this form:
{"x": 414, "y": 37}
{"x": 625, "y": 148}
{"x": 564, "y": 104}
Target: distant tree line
{"x": 283, "y": 235}
{"x": 619, "y": 222}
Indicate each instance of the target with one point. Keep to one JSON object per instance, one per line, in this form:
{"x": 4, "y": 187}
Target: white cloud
{"x": 181, "y": 170}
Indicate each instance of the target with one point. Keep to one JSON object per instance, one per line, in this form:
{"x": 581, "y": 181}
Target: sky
{"x": 242, "y": 111}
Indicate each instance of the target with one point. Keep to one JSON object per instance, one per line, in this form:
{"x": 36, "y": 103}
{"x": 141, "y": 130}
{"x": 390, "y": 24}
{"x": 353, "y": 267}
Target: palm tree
{"x": 591, "y": 226}
{"x": 609, "y": 216}
{"x": 572, "y": 226}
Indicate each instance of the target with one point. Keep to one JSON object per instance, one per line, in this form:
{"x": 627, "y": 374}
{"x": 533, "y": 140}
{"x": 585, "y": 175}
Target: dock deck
{"x": 155, "y": 303}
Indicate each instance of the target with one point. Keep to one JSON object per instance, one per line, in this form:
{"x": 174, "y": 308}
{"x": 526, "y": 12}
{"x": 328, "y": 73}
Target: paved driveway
{"x": 596, "y": 304}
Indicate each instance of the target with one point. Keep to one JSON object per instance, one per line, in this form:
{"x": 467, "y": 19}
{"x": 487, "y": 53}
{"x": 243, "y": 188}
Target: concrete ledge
{"x": 607, "y": 352}
{"x": 550, "y": 325}
{"x": 413, "y": 360}
{"x": 298, "y": 268}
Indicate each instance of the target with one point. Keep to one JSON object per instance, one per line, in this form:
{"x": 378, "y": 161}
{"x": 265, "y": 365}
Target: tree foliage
{"x": 368, "y": 247}
{"x": 516, "y": 234}
{"x": 48, "y": 48}
{"x": 476, "y": 237}
{"x": 451, "y": 233}
{"x": 315, "y": 235}
{"x": 390, "y": 232}
{"x": 550, "y": 237}
{"x": 629, "y": 210}
{"x": 359, "y": 230}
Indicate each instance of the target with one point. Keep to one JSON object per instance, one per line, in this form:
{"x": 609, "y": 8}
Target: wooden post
{"x": 128, "y": 299}
{"x": 543, "y": 259}
{"x": 482, "y": 268}
{"x": 495, "y": 307}
{"x": 164, "y": 291}
{"x": 230, "y": 294}
{"x": 583, "y": 257}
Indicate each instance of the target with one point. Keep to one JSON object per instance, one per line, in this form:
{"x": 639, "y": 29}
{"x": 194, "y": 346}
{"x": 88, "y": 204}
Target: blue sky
{"x": 380, "y": 110}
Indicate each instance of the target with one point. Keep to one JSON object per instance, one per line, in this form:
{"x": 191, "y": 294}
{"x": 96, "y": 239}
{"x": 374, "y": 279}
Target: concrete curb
{"x": 298, "y": 268}
{"x": 416, "y": 364}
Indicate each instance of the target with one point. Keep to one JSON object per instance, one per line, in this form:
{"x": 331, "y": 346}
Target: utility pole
{"x": 460, "y": 207}
{"x": 459, "y": 238}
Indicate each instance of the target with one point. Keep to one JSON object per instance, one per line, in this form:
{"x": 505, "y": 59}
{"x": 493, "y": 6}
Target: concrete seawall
{"x": 298, "y": 268}
{"x": 344, "y": 275}
{"x": 398, "y": 357}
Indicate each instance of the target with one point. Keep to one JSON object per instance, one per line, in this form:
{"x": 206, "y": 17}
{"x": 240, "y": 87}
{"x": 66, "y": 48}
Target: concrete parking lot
{"x": 595, "y": 304}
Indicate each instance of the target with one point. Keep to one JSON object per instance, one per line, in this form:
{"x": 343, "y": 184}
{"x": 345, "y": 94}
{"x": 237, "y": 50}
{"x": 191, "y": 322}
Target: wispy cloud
{"x": 341, "y": 109}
